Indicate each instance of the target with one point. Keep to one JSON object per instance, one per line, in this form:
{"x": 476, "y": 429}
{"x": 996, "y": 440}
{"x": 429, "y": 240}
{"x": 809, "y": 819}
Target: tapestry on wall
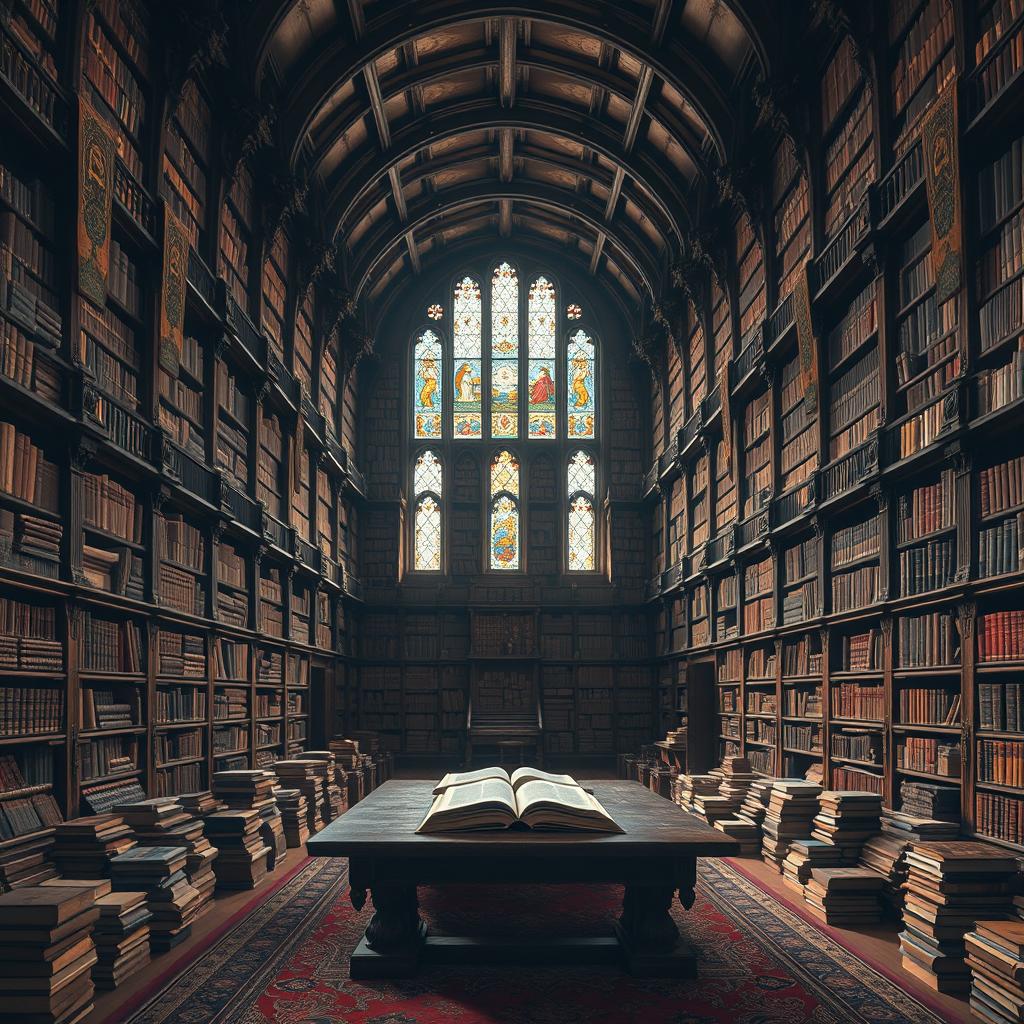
{"x": 942, "y": 180}
{"x": 172, "y": 291}
{"x": 807, "y": 345}
{"x": 96, "y": 154}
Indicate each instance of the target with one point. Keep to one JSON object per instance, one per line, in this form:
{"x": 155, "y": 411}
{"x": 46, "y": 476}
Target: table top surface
{"x": 385, "y": 823}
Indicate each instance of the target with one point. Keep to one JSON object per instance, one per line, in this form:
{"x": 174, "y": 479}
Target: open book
{"x": 527, "y": 797}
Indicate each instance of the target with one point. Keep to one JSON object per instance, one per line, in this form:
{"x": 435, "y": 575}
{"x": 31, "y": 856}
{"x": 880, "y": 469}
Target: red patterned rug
{"x": 287, "y": 963}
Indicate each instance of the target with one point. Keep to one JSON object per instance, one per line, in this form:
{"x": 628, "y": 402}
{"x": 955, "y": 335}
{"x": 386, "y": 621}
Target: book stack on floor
{"x": 200, "y": 804}
{"x": 791, "y": 809}
{"x": 84, "y": 847}
{"x": 159, "y": 872}
{"x": 293, "y": 816}
{"x": 950, "y": 886}
{"x": 847, "y": 819}
{"x": 122, "y": 937}
{"x": 335, "y": 793}
{"x": 241, "y": 853}
{"x": 346, "y": 753}
{"x": 884, "y": 853}
{"x": 804, "y": 856}
{"x": 744, "y": 831}
{"x": 307, "y": 777}
{"x": 163, "y": 821}
{"x": 845, "y": 896}
{"x": 47, "y": 954}
{"x": 755, "y": 803}
{"x": 734, "y": 781}
{"x": 923, "y": 800}
{"x": 909, "y": 826}
{"x": 995, "y": 956}
{"x": 694, "y": 786}
{"x": 254, "y": 790}
{"x": 26, "y": 861}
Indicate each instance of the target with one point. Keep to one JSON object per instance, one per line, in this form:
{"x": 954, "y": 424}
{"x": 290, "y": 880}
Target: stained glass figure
{"x": 504, "y": 352}
{"x": 467, "y": 327}
{"x": 427, "y": 540}
{"x": 505, "y": 474}
{"x": 427, "y": 391}
{"x": 581, "y": 534}
{"x": 582, "y": 385}
{"x": 504, "y": 533}
{"x": 541, "y": 409}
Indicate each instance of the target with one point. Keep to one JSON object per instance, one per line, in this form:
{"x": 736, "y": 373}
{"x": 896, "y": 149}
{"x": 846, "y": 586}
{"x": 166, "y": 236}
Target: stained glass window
{"x": 504, "y": 352}
{"x": 505, "y": 474}
{"x": 427, "y": 393}
{"x": 504, "y": 524}
{"x": 541, "y": 410}
{"x": 428, "y": 483}
{"x": 467, "y": 327}
{"x": 581, "y": 397}
{"x": 581, "y": 533}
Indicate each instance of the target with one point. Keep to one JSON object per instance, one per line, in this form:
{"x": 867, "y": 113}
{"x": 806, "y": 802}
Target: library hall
{"x": 511, "y": 512}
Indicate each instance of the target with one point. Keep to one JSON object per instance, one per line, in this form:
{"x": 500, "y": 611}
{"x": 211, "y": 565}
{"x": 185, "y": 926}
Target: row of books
{"x": 1000, "y": 707}
{"x": 1001, "y": 635}
{"x": 928, "y": 567}
{"x": 1000, "y": 546}
{"x": 1001, "y": 817}
{"x": 926, "y": 705}
{"x": 1001, "y": 385}
{"x": 854, "y": 542}
{"x": 1001, "y": 762}
{"x": 110, "y": 645}
{"x": 178, "y": 745}
{"x": 110, "y": 709}
{"x": 926, "y": 509}
{"x": 25, "y": 472}
{"x": 856, "y": 701}
{"x": 107, "y": 755}
{"x": 855, "y": 589}
{"x": 862, "y": 652}
{"x": 181, "y": 654}
{"x": 111, "y": 507}
{"x": 31, "y": 710}
{"x": 860, "y": 745}
{"x": 927, "y": 640}
{"x": 1001, "y": 487}
{"x": 179, "y": 704}
{"x": 929, "y": 755}
{"x": 802, "y": 702}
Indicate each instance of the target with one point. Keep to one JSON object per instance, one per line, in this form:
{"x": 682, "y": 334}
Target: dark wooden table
{"x": 655, "y": 858}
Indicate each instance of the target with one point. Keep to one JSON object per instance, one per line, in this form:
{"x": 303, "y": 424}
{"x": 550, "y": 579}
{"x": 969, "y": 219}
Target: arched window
{"x": 505, "y": 521}
{"x": 581, "y": 523}
{"x": 428, "y": 485}
{"x": 517, "y": 365}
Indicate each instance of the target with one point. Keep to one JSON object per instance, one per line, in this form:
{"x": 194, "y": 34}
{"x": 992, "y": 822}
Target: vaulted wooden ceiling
{"x": 586, "y": 127}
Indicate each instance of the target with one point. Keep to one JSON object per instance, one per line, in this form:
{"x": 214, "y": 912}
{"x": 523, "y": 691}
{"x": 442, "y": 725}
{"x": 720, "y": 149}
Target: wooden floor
{"x": 877, "y": 945}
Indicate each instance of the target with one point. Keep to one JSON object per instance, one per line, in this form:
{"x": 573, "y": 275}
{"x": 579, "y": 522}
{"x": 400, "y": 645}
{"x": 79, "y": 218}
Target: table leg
{"x": 391, "y": 946}
{"x": 649, "y": 936}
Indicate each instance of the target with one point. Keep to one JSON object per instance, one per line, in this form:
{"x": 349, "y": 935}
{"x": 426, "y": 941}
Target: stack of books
{"x": 744, "y": 831}
{"x": 84, "y": 847}
{"x": 121, "y": 936}
{"x": 159, "y": 872}
{"x": 755, "y": 803}
{"x": 253, "y": 790}
{"x": 693, "y": 786}
{"x": 923, "y": 800}
{"x": 163, "y": 821}
{"x": 847, "y": 818}
{"x": 47, "y": 953}
{"x": 732, "y": 791}
{"x": 791, "y": 809}
{"x": 25, "y": 861}
{"x": 845, "y": 896}
{"x": 805, "y": 855}
{"x": 307, "y": 777}
{"x": 293, "y": 816}
{"x": 949, "y": 887}
{"x": 241, "y": 853}
{"x": 884, "y": 853}
{"x": 200, "y": 804}
{"x": 909, "y": 826}
{"x": 335, "y": 795}
{"x": 995, "y": 956}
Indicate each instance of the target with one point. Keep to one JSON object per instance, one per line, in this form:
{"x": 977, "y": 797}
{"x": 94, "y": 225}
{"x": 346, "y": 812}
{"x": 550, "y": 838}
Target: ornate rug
{"x": 287, "y": 963}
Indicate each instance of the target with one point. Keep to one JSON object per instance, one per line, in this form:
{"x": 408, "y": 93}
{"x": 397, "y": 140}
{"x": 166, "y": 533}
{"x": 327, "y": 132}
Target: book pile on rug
{"x": 755, "y": 803}
{"x": 791, "y": 810}
{"x": 84, "y": 847}
{"x": 845, "y": 896}
{"x": 950, "y": 886}
{"x": 804, "y": 855}
{"x": 294, "y": 816}
{"x": 47, "y": 953}
{"x": 159, "y": 872}
{"x": 253, "y": 790}
{"x": 121, "y": 936}
{"x": 995, "y": 956}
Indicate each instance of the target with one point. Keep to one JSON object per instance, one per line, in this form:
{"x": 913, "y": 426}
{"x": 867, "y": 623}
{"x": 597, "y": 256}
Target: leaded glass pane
{"x": 541, "y": 366}
{"x": 505, "y": 473}
{"x": 504, "y": 352}
{"x": 581, "y": 534}
{"x": 427, "y": 394}
{"x": 428, "y": 475}
{"x": 504, "y": 533}
{"x": 428, "y": 534}
{"x": 581, "y": 474}
{"x": 582, "y": 386}
{"x": 467, "y": 326}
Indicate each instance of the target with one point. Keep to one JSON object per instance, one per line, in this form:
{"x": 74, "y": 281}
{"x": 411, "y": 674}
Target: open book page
{"x": 524, "y": 774}
{"x": 551, "y": 805}
{"x": 461, "y": 778}
{"x": 490, "y": 803}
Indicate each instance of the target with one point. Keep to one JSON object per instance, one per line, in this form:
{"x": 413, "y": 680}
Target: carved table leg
{"x": 649, "y": 937}
{"x": 394, "y": 937}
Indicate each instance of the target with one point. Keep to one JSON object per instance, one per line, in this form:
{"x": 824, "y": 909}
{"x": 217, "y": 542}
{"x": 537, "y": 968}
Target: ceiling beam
{"x": 636, "y": 113}
{"x": 506, "y": 143}
{"x": 380, "y": 117}
{"x": 507, "y": 62}
{"x": 614, "y": 193}
{"x": 595, "y": 256}
{"x": 505, "y": 218}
